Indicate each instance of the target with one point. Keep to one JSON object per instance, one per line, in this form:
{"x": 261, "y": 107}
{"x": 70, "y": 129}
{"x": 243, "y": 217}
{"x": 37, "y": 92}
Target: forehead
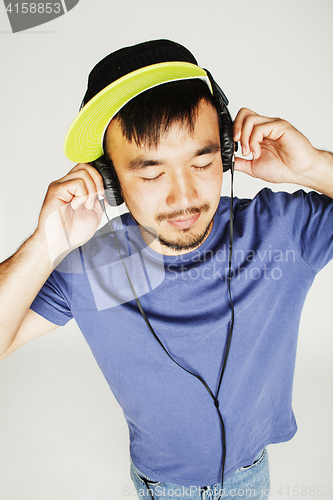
{"x": 205, "y": 126}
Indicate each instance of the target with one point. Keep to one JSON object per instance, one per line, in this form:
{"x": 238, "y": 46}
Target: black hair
{"x": 150, "y": 114}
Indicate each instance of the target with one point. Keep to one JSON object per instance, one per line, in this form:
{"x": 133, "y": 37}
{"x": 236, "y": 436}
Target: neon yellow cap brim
{"x": 84, "y": 139}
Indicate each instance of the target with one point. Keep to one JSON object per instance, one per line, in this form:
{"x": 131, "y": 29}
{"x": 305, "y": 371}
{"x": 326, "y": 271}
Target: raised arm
{"x": 281, "y": 153}
{"x": 69, "y": 217}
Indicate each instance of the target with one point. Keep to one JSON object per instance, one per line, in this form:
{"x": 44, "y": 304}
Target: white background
{"x": 62, "y": 435}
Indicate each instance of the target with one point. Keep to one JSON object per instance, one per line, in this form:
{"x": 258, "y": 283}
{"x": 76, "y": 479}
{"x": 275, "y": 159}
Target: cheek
{"x": 212, "y": 183}
{"x": 141, "y": 199}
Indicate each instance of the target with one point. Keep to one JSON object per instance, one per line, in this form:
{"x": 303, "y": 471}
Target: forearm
{"x": 21, "y": 278}
{"x": 69, "y": 217}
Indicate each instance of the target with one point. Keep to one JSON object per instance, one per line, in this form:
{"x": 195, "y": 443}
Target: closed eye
{"x": 197, "y": 168}
{"x": 204, "y": 167}
{"x": 152, "y": 179}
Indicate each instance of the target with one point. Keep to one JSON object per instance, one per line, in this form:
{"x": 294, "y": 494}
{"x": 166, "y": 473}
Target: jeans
{"x": 247, "y": 482}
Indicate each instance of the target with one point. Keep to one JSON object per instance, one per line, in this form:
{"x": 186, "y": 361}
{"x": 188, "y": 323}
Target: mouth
{"x": 184, "y": 222}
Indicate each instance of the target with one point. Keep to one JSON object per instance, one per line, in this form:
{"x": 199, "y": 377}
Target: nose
{"x": 183, "y": 191}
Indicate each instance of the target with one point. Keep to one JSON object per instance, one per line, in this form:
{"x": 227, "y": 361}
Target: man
{"x": 199, "y": 354}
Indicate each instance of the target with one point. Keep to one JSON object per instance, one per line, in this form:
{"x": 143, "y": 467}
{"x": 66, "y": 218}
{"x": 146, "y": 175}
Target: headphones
{"x": 228, "y": 147}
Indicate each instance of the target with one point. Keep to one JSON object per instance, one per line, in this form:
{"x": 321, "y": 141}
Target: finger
{"x": 94, "y": 174}
{"x": 73, "y": 191}
{"x": 98, "y": 208}
{"x": 99, "y": 183}
{"x": 251, "y": 125}
{"x": 242, "y": 114}
{"x": 268, "y": 130}
{"x": 245, "y": 166}
{"x": 91, "y": 180}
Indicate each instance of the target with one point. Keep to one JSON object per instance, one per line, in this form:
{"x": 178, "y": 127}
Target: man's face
{"x": 172, "y": 190}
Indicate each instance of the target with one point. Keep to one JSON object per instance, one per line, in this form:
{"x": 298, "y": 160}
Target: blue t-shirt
{"x": 280, "y": 242}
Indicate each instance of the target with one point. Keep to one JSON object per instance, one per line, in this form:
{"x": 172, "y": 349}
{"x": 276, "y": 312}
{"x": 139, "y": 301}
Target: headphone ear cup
{"x": 110, "y": 181}
{"x": 227, "y": 140}
{"x": 226, "y": 126}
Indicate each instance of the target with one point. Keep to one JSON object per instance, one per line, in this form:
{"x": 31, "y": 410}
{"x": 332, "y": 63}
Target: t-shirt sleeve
{"x": 308, "y": 219}
{"x": 52, "y": 301}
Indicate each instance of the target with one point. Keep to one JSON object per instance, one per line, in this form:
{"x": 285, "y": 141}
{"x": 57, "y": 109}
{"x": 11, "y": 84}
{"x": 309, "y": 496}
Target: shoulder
{"x": 276, "y": 202}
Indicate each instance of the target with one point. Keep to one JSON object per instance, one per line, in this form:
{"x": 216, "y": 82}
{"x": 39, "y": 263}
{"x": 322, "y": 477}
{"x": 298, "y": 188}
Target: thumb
{"x": 245, "y": 166}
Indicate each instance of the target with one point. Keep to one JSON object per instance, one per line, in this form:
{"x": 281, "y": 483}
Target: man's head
{"x": 152, "y": 98}
{"x": 164, "y": 147}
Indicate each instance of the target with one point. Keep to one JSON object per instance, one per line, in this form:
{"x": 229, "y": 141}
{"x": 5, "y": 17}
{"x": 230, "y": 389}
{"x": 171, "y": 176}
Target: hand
{"x": 71, "y": 212}
{"x": 280, "y": 152}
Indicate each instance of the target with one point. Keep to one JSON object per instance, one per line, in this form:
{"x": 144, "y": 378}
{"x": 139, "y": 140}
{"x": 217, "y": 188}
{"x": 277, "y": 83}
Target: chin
{"x": 185, "y": 241}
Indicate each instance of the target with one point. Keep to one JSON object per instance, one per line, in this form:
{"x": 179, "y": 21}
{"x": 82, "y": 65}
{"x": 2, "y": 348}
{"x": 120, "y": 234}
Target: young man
{"x": 199, "y": 354}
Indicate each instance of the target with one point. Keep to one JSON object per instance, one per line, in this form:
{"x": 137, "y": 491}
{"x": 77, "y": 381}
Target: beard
{"x": 186, "y": 239}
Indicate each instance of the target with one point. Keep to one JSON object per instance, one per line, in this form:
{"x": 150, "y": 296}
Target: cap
{"x": 118, "y": 78}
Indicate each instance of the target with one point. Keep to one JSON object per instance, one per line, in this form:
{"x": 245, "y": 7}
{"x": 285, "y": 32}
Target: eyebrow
{"x": 138, "y": 163}
{"x": 211, "y": 148}
{"x": 141, "y": 163}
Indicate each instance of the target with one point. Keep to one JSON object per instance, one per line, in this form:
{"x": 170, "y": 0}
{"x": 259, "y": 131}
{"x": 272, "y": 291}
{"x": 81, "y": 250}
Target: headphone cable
{"x": 227, "y": 349}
